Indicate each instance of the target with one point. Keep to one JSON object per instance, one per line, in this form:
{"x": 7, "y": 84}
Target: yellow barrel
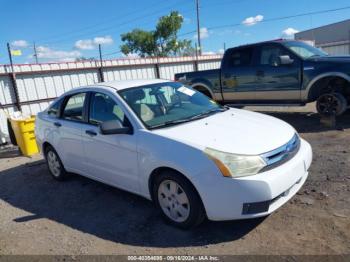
{"x": 25, "y": 136}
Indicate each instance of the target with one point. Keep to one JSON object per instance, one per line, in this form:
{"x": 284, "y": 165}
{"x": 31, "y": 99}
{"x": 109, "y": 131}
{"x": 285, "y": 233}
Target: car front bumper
{"x": 254, "y": 196}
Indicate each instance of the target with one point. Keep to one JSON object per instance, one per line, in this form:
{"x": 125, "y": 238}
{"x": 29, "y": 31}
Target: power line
{"x": 286, "y": 17}
{"x": 112, "y": 53}
{"x": 114, "y": 26}
{"x": 94, "y": 25}
{"x": 273, "y": 19}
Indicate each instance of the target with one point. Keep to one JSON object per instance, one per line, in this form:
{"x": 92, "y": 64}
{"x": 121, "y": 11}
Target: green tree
{"x": 162, "y": 41}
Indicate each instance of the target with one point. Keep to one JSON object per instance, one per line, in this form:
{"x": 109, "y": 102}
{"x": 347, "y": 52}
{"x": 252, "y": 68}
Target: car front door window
{"x": 103, "y": 109}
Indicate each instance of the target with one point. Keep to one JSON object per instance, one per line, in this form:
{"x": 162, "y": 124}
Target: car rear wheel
{"x": 331, "y": 104}
{"x": 54, "y": 164}
{"x": 178, "y": 201}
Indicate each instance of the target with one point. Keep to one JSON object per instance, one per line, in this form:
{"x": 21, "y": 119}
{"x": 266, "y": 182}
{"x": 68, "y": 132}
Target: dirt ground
{"x": 79, "y": 216}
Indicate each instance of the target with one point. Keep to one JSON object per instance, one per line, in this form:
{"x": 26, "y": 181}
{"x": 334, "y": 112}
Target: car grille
{"x": 282, "y": 154}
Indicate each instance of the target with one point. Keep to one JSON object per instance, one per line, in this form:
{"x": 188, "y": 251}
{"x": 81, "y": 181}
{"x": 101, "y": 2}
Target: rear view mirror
{"x": 285, "y": 60}
{"x": 114, "y": 127}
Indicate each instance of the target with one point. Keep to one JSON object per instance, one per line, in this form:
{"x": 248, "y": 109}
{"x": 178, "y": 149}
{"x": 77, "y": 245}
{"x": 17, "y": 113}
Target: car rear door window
{"x": 74, "y": 106}
{"x": 103, "y": 108}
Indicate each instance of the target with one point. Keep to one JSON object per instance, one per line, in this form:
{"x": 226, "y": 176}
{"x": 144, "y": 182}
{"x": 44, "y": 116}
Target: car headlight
{"x": 232, "y": 165}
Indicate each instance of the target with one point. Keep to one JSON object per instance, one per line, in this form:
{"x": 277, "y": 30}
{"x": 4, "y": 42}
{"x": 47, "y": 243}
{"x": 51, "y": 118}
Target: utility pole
{"x": 224, "y": 46}
{"x": 100, "y": 70}
{"x": 13, "y": 79}
{"x": 198, "y": 29}
{"x": 35, "y": 54}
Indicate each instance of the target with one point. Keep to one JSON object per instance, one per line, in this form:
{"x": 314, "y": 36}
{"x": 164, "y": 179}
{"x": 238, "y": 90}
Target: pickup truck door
{"x": 238, "y": 79}
{"x": 277, "y": 82}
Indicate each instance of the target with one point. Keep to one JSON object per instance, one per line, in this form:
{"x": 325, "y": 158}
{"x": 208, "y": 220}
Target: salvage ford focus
{"x": 175, "y": 146}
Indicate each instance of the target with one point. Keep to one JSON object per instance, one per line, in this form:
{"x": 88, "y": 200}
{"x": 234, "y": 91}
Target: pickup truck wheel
{"x": 331, "y": 104}
{"x": 178, "y": 201}
{"x": 54, "y": 164}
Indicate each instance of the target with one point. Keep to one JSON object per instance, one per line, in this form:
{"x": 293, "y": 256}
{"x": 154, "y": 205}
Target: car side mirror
{"x": 114, "y": 127}
{"x": 285, "y": 60}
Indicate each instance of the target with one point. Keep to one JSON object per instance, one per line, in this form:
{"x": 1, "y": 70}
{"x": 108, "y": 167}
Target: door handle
{"x": 91, "y": 133}
{"x": 57, "y": 124}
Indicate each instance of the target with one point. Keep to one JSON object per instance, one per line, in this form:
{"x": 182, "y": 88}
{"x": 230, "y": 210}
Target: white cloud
{"x": 249, "y": 21}
{"x": 90, "y": 44}
{"x": 106, "y": 40}
{"x": 132, "y": 55}
{"x": 204, "y": 33}
{"x": 208, "y": 53}
{"x": 289, "y": 31}
{"x": 85, "y": 44}
{"x": 221, "y": 51}
{"x": 57, "y": 55}
{"x": 20, "y": 43}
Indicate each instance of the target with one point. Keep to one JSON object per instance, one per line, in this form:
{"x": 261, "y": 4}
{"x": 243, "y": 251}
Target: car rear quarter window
{"x": 74, "y": 106}
{"x": 54, "y": 108}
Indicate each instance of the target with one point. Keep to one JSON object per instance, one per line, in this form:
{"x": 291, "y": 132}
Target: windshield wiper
{"x": 209, "y": 112}
{"x": 195, "y": 117}
{"x": 314, "y": 56}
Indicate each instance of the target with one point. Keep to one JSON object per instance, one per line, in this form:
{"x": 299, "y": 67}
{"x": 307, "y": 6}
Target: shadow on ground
{"x": 9, "y": 151}
{"x": 310, "y": 122}
{"x": 105, "y": 212}
{"x": 118, "y": 216}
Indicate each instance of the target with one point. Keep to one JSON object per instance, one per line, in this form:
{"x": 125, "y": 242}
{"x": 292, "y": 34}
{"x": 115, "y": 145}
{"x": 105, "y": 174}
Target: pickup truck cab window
{"x": 269, "y": 55}
{"x": 240, "y": 57}
{"x": 73, "y": 109}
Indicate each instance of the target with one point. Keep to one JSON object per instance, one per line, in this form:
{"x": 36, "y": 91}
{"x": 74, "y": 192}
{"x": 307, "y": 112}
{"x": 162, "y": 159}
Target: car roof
{"x": 125, "y": 84}
{"x": 266, "y": 42}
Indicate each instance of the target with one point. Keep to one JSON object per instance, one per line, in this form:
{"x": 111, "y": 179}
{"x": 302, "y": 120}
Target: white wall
{"x": 46, "y": 81}
{"x": 337, "y": 49}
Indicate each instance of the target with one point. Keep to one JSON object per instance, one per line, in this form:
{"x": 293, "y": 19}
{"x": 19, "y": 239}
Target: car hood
{"x": 234, "y": 131}
{"x": 332, "y": 59}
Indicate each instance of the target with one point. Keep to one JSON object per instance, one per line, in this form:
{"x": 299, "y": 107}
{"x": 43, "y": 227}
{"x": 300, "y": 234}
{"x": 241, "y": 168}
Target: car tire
{"x": 178, "y": 200}
{"x": 54, "y": 164}
{"x": 331, "y": 104}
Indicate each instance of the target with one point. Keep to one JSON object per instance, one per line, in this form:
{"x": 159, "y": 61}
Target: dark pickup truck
{"x": 278, "y": 72}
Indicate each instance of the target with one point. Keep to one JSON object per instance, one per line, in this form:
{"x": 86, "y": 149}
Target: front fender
{"x": 157, "y": 151}
{"x": 306, "y": 93}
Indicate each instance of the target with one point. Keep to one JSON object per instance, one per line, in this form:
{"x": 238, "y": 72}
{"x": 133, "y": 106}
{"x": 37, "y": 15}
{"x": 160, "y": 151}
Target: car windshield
{"x": 164, "y": 104}
{"x": 304, "y": 50}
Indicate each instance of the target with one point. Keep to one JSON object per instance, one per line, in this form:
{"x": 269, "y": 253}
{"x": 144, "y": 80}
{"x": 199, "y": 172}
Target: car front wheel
{"x": 54, "y": 164}
{"x": 178, "y": 201}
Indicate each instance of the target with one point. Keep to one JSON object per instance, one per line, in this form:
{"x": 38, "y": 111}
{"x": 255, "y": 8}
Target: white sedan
{"x": 171, "y": 144}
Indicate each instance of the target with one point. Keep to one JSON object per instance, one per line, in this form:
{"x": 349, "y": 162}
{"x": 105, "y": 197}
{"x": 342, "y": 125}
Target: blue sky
{"x": 57, "y": 26}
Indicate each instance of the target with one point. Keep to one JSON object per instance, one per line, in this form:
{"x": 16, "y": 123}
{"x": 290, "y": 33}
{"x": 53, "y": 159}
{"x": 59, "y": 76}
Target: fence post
{"x": 12, "y": 76}
{"x": 156, "y": 67}
{"x": 100, "y": 69}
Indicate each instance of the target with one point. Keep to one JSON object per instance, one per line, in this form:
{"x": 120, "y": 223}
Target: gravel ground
{"x": 79, "y": 216}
